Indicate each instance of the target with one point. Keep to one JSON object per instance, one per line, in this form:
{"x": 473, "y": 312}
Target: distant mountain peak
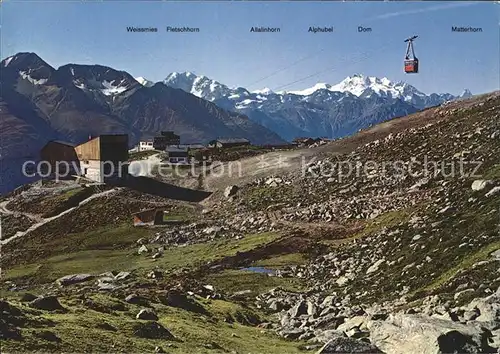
{"x": 310, "y": 90}
{"x": 359, "y": 85}
{"x": 29, "y": 66}
{"x": 144, "y": 82}
{"x": 264, "y": 91}
{"x": 198, "y": 85}
{"x": 466, "y": 94}
{"x": 26, "y": 60}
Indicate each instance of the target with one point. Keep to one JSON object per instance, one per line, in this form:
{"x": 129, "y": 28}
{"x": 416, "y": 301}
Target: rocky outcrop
{"x": 147, "y": 314}
{"x": 342, "y": 345}
{"x": 152, "y": 330}
{"x": 49, "y": 303}
{"x": 74, "y": 279}
{"x": 414, "y": 333}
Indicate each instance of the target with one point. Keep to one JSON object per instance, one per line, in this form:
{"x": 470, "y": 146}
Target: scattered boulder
{"x": 147, "y": 314}
{"x": 74, "y": 279}
{"x": 230, "y": 191}
{"x": 374, "y": 267}
{"x": 496, "y": 254}
{"x": 493, "y": 191}
{"x": 354, "y": 322}
{"x": 342, "y": 345}
{"x": 480, "y": 184}
{"x": 48, "y": 336}
{"x": 27, "y": 297}
{"x": 300, "y": 308}
{"x": 136, "y": 300}
{"x": 292, "y": 333}
{"x": 106, "y": 284}
{"x": 328, "y": 335}
{"x": 11, "y": 318}
{"x": 49, "y": 303}
{"x": 463, "y": 293}
{"x": 419, "y": 334}
{"x": 155, "y": 274}
{"x": 175, "y": 298}
{"x": 152, "y": 330}
{"x": 488, "y": 308}
{"x": 122, "y": 276}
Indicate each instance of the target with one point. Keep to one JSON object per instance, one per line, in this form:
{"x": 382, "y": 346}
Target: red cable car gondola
{"x": 411, "y": 61}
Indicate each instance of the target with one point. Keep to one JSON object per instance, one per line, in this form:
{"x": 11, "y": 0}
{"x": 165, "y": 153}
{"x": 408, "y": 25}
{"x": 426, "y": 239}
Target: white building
{"x": 177, "y": 154}
{"x": 104, "y": 158}
{"x": 146, "y": 145}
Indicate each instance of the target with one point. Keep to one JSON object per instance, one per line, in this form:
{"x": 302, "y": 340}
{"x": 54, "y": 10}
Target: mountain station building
{"x": 167, "y": 138}
{"x": 228, "y": 142}
{"x": 101, "y": 159}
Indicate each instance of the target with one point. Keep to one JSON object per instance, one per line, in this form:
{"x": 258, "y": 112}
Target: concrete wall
{"x": 91, "y": 169}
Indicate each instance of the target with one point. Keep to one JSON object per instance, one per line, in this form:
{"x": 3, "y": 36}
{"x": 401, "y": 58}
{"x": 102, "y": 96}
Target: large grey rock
{"x": 136, "y": 299}
{"x": 327, "y": 335}
{"x": 374, "y": 267}
{"x": 28, "y": 297}
{"x": 495, "y": 339}
{"x": 300, "y": 308}
{"x": 401, "y": 334}
{"x": 492, "y": 192}
{"x": 122, "y": 275}
{"x": 311, "y": 308}
{"x": 147, "y": 314}
{"x": 343, "y": 345}
{"x": 480, "y": 184}
{"x": 329, "y": 321}
{"x": 230, "y": 191}
{"x": 152, "y": 330}
{"x": 495, "y": 254}
{"x": 489, "y": 308}
{"x": 328, "y": 301}
{"x": 354, "y": 322}
{"x": 175, "y": 298}
{"x": 291, "y": 333}
{"x": 49, "y": 303}
{"x": 74, "y": 279}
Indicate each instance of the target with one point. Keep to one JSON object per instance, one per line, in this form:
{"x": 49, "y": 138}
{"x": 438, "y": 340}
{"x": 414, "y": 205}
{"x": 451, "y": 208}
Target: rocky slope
{"x": 398, "y": 254}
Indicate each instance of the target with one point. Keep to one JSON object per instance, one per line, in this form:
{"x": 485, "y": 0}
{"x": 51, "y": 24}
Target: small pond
{"x": 260, "y": 270}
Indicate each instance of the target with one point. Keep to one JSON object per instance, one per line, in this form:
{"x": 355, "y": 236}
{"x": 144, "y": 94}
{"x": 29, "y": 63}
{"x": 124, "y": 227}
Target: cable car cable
{"x": 363, "y": 56}
{"x": 298, "y": 61}
{"x": 286, "y": 67}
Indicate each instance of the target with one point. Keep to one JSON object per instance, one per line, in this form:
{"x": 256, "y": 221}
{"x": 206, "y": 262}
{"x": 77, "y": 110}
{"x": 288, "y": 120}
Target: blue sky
{"x": 94, "y": 33}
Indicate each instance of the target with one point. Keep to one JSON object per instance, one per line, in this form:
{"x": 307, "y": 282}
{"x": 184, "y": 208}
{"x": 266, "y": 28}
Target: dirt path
{"x": 43, "y": 221}
{"x": 144, "y": 167}
{"x": 5, "y": 211}
{"x": 250, "y": 168}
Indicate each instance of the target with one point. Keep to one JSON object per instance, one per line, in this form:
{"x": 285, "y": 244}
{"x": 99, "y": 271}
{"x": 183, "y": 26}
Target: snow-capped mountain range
{"x": 39, "y": 103}
{"x": 322, "y": 110}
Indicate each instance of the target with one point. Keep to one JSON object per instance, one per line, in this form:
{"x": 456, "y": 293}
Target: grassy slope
{"x": 223, "y": 327}
{"x": 115, "y": 249}
{"x": 107, "y": 248}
